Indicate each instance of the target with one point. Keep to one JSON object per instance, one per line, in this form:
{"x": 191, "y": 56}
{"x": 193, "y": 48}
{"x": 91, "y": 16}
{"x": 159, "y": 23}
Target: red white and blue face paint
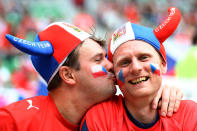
{"x": 155, "y": 69}
{"x": 98, "y": 71}
{"x": 120, "y": 80}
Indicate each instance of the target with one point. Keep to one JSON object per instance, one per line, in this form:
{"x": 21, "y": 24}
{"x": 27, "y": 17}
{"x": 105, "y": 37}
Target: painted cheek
{"x": 98, "y": 71}
{"x": 121, "y": 79}
{"x": 155, "y": 69}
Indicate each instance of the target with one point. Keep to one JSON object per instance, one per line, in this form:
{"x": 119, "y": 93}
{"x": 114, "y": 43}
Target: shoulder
{"x": 19, "y": 113}
{"x": 27, "y": 104}
{"x": 188, "y": 105}
{"x": 185, "y": 117}
{"x": 6, "y": 120}
{"x": 27, "y": 107}
{"x": 99, "y": 115}
{"x": 187, "y": 114}
{"x": 186, "y": 108}
{"x": 114, "y": 100}
{"x": 109, "y": 104}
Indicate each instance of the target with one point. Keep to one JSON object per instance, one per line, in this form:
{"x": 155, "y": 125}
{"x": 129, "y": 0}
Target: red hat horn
{"x": 168, "y": 26}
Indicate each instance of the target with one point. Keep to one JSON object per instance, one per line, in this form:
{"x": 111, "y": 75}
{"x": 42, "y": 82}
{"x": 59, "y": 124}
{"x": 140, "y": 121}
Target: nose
{"x": 108, "y": 65}
{"x": 135, "y": 67}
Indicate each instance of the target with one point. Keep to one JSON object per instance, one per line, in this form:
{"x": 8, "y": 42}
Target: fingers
{"x": 159, "y": 105}
{"x": 156, "y": 99}
{"x": 179, "y": 96}
{"x": 165, "y": 100}
{"x": 172, "y": 100}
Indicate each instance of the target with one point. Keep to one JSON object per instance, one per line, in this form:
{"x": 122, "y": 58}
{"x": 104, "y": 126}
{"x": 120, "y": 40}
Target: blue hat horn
{"x": 37, "y": 48}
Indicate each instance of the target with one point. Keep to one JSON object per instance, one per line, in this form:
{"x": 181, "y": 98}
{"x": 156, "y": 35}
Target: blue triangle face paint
{"x": 155, "y": 70}
{"x": 120, "y": 80}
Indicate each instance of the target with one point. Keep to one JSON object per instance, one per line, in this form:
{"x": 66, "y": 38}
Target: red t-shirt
{"x": 34, "y": 114}
{"x": 112, "y": 115}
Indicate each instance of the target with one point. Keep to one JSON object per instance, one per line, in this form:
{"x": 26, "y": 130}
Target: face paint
{"x": 155, "y": 69}
{"x": 98, "y": 71}
{"x": 120, "y": 80}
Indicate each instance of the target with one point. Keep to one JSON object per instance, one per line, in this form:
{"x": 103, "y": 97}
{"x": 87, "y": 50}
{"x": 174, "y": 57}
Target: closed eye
{"x": 98, "y": 59}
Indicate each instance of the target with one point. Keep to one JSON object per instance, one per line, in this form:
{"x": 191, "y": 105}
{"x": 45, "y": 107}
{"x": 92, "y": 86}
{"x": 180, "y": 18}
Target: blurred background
{"x": 24, "y": 18}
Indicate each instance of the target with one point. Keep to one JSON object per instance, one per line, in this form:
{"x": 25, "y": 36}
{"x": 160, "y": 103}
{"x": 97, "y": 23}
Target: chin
{"x": 109, "y": 93}
{"x": 138, "y": 93}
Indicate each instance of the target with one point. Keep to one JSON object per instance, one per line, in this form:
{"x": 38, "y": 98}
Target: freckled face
{"x": 134, "y": 59}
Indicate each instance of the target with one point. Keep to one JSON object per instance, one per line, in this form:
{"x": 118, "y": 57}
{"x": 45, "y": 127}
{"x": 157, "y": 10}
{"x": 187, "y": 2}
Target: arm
{"x": 168, "y": 98}
{"x": 6, "y": 121}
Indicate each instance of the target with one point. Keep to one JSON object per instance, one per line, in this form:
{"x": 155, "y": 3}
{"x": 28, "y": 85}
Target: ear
{"x": 67, "y": 75}
{"x": 163, "y": 67}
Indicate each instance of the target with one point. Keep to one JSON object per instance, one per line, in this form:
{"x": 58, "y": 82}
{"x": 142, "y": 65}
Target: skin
{"x": 79, "y": 90}
{"x": 134, "y": 59}
{"x": 101, "y": 88}
{"x": 135, "y": 63}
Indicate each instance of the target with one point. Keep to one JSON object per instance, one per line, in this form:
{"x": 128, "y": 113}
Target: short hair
{"x": 73, "y": 62}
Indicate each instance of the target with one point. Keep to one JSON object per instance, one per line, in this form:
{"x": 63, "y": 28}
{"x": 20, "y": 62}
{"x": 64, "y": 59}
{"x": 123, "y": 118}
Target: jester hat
{"x": 156, "y": 37}
{"x": 51, "y": 47}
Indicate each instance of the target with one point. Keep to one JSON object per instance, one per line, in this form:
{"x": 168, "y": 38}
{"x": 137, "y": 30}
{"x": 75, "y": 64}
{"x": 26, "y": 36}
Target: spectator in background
{"x": 131, "y": 12}
{"x": 27, "y": 27}
{"x": 194, "y": 41}
{"x": 84, "y": 21}
{"x": 186, "y": 67}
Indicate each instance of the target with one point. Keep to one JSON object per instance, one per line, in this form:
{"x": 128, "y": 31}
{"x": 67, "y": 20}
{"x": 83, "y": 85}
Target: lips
{"x": 138, "y": 80}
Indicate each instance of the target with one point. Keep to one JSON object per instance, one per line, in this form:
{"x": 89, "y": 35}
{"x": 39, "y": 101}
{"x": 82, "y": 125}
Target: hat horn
{"x": 168, "y": 26}
{"x": 41, "y": 48}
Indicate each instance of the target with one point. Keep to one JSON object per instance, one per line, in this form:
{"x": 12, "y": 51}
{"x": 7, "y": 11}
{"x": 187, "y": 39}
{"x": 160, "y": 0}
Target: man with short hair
{"x": 78, "y": 75}
{"x": 139, "y": 61}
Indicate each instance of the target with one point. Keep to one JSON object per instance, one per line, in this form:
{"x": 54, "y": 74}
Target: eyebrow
{"x": 121, "y": 58}
{"x": 98, "y": 54}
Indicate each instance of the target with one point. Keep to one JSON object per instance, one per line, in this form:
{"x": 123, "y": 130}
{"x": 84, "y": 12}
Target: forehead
{"x": 90, "y": 48}
{"x": 135, "y": 47}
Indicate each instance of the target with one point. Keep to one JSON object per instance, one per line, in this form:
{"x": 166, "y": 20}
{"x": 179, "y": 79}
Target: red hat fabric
{"x": 51, "y": 47}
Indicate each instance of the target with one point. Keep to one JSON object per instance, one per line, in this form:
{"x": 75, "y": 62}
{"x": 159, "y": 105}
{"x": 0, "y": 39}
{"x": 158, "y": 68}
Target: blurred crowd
{"x": 25, "y": 18}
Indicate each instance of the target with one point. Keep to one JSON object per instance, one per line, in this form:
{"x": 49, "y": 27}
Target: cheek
{"x": 120, "y": 78}
{"x": 98, "y": 71}
{"x": 155, "y": 69}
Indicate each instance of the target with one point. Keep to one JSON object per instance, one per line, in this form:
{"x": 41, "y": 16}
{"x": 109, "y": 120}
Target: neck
{"x": 71, "y": 106}
{"x": 141, "y": 109}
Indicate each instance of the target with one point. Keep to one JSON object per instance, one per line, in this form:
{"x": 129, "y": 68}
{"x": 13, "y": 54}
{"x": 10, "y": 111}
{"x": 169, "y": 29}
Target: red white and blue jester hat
{"x": 156, "y": 37}
{"x": 51, "y": 47}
